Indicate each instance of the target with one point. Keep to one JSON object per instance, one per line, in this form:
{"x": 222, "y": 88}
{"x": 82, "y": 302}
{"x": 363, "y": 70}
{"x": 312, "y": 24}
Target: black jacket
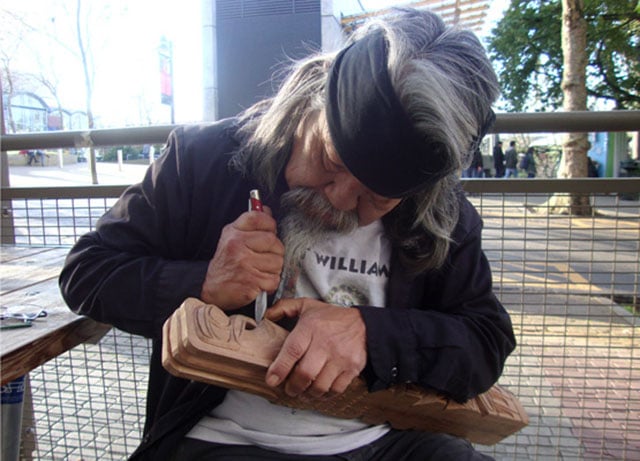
{"x": 444, "y": 329}
{"x": 498, "y": 158}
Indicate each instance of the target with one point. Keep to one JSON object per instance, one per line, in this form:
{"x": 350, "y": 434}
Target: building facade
{"x": 248, "y": 42}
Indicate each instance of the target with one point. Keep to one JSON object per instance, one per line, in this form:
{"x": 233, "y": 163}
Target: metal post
{"x": 7, "y": 230}
{"x": 11, "y": 408}
{"x": 119, "y": 154}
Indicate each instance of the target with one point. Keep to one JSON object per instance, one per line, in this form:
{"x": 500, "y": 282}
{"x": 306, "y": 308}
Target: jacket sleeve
{"x": 455, "y": 335}
{"x": 134, "y": 270}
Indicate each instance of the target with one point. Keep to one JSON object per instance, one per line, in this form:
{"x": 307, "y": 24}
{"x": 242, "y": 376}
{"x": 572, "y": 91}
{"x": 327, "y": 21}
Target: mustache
{"x": 308, "y": 218}
{"x": 319, "y": 212}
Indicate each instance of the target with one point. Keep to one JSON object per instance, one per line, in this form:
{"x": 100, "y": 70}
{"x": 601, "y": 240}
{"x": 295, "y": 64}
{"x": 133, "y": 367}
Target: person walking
{"x": 476, "y": 169}
{"x": 528, "y": 163}
{"x": 498, "y": 160}
{"x": 511, "y": 161}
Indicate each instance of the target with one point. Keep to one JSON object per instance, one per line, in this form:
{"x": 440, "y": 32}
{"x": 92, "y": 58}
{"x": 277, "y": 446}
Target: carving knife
{"x": 255, "y": 204}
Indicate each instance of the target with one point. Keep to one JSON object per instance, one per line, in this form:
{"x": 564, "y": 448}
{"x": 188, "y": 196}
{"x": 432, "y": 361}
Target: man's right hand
{"x": 248, "y": 260}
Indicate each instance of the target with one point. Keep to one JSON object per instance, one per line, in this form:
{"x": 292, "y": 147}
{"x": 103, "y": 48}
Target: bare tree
{"x": 87, "y": 68}
{"x": 9, "y": 46}
{"x": 70, "y": 28}
{"x": 576, "y": 145}
{"x": 49, "y": 82}
{"x": 6, "y": 75}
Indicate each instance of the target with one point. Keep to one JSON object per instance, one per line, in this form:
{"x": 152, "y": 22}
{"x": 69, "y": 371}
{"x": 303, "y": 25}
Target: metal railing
{"x": 571, "y": 285}
{"x": 541, "y": 122}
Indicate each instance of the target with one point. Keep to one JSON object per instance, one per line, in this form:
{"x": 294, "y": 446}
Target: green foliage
{"x": 128, "y": 153}
{"x": 614, "y": 38}
{"x": 527, "y": 50}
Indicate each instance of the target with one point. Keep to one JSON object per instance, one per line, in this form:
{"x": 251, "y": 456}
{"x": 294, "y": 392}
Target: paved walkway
{"x": 75, "y": 174}
{"x": 577, "y": 371}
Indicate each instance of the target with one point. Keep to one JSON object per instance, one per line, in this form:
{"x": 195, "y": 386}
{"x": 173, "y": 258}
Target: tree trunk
{"x": 89, "y": 94}
{"x": 9, "y": 92}
{"x": 574, "y": 159}
{"x": 7, "y": 236}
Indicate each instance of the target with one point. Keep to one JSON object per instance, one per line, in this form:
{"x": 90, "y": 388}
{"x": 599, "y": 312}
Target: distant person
{"x": 40, "y": 155}
{"x": 476, "y": 169}
{"x": 511, "y": 161}
{"x": 528, "y": 163}
{"x": 32, "y": 157}
{"x": 592, "y": 168}
{"x": 498, "y": 160}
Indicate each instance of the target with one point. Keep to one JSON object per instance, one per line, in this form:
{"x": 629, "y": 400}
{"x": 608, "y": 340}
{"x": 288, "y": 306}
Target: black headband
{"x": 370, "y": 129}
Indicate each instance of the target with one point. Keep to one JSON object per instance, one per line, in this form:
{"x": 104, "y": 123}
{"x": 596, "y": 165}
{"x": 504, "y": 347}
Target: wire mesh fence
{"x": 89, "y": 403}
{"x": 570, "y": 283}
{"x": 55, "y": 222}
{"x": 571, "y": 286}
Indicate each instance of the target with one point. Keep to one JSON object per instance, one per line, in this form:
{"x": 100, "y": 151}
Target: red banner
{"x": 166, "y": 71}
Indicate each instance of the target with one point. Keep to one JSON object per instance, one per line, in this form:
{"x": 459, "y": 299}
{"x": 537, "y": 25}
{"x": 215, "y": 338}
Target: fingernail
{"x": 272, "y": 380}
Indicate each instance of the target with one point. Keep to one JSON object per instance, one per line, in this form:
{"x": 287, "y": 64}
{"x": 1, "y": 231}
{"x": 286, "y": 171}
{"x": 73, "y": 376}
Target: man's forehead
{"x": 329, "y": 148}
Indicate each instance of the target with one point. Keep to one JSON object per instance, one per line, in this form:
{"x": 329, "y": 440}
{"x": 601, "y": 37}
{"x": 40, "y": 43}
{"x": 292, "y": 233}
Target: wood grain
{"x": 201, "y": 343}
{"x": 32, "y": 285}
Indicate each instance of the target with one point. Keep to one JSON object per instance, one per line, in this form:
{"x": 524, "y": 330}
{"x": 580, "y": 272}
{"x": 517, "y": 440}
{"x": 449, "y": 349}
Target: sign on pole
{"x": 166, "y": 73}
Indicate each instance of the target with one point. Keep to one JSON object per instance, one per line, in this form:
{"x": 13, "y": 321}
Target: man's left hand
{"x": 325, "y": 351}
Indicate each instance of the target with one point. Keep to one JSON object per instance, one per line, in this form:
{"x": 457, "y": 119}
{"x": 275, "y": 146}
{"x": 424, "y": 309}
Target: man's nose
{"x": 344, "y": 191}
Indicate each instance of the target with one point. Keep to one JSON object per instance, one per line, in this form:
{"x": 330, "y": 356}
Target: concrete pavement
{"x": 75, "y": 174}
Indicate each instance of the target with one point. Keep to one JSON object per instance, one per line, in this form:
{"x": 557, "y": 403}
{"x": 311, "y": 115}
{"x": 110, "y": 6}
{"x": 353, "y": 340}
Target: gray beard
{"x": 308, "y": 218}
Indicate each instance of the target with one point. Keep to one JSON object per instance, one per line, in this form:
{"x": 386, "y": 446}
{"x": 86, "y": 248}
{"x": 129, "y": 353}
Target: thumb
{"x": 289, "y": 307}
{"x": 294, "y": 347}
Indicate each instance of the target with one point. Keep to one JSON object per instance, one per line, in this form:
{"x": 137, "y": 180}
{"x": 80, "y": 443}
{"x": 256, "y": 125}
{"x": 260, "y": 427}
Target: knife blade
{"x": 255, "y": 204}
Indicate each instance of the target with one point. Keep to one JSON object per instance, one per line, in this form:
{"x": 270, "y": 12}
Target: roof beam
{"x": 452, "y": 12}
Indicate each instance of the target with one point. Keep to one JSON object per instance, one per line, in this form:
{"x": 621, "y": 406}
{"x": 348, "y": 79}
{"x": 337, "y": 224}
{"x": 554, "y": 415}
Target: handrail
{"x": 553, "y": 185}
{"x": 62, "y": 192}
{"x": 488, "y": 185}
{"x": 539, "y": 122}
{"x": 87, "y": 138}
{"x": 568, "y": 122}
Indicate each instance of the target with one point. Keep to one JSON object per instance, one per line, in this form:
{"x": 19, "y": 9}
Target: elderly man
{"x": 366, "y": 241}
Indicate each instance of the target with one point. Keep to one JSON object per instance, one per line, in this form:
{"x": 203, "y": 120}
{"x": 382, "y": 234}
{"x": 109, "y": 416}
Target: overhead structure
{"x": 469, "y": 14}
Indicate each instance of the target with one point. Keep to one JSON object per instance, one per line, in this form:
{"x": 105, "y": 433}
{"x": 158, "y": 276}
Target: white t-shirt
{"x": 346, "y": 270}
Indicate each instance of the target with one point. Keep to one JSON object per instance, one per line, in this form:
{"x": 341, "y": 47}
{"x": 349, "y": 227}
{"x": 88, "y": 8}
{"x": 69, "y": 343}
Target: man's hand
{"x": 325, "y": 351}
{"x": 248, "y": 260}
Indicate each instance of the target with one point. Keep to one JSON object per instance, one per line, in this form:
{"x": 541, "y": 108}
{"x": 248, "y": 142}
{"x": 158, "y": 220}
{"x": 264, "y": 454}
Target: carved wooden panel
{"x": 202, "y": 343}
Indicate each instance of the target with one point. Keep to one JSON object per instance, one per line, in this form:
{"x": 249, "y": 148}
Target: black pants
{"x": 394, "y": 446}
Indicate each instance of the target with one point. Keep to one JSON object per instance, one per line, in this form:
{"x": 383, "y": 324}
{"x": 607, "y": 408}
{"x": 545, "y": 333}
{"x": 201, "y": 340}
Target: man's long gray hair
{"x": 446, "y": 84}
